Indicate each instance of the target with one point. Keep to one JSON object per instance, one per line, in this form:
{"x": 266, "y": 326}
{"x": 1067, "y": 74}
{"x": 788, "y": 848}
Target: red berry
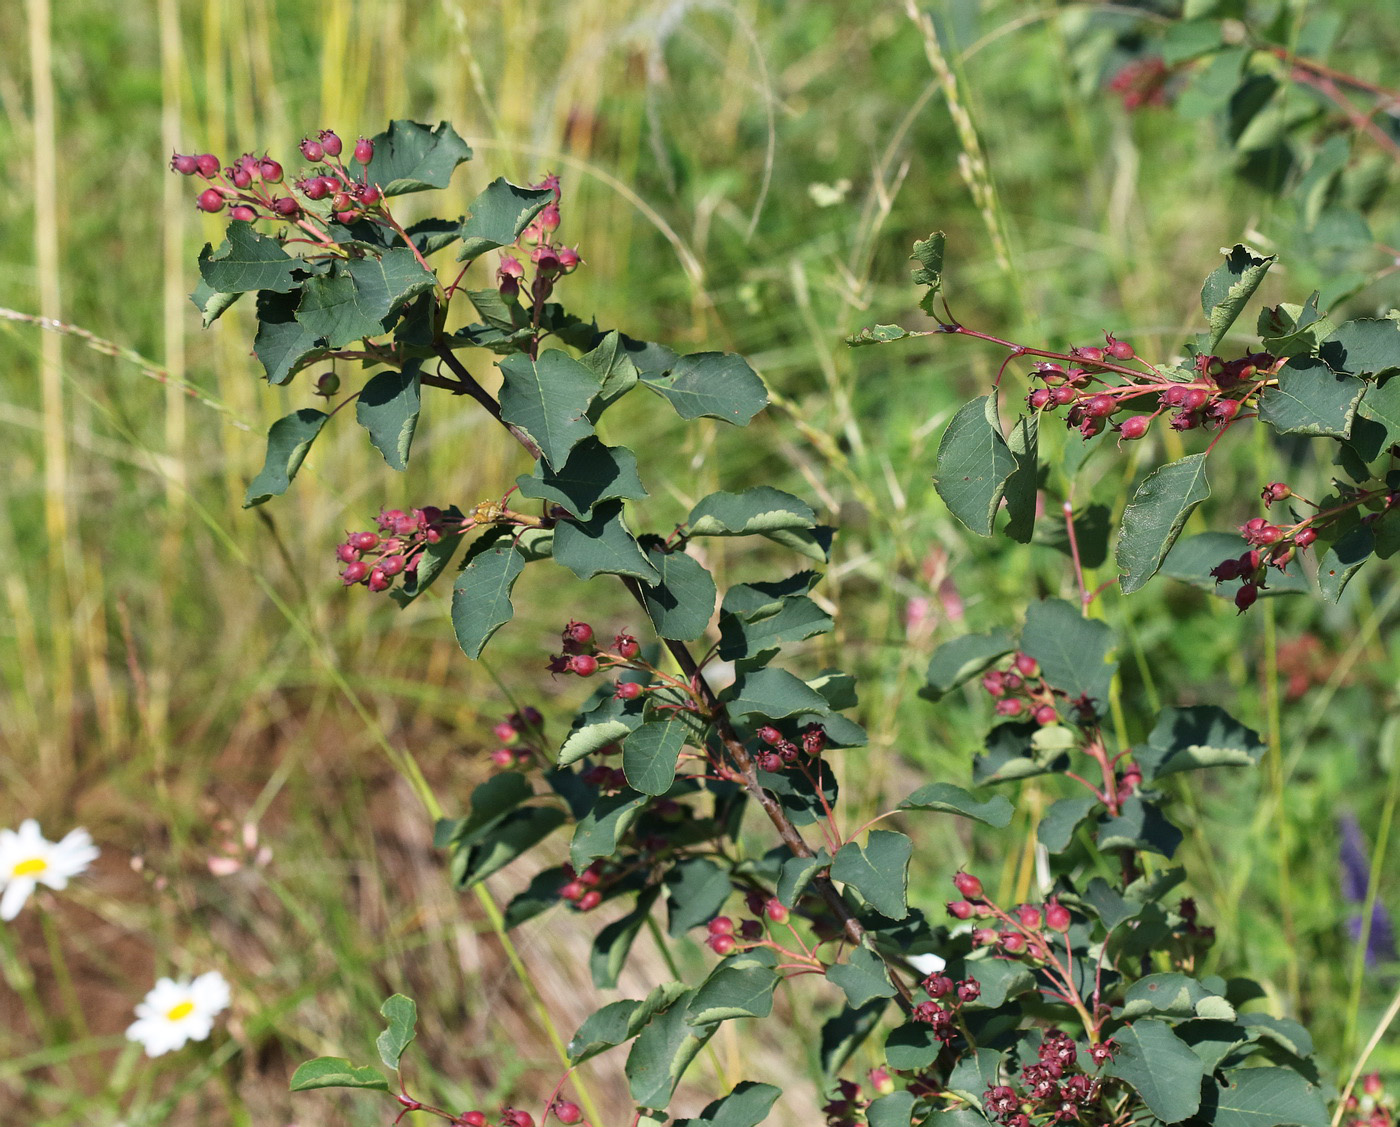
{"x": 185, "y": 164}
{"x": 769, "y": 761}
{"x": 960, "y": 909}
{"x": 579, "y": 632}
{"x": 983, "y": 936}
{"x": 585, "y": 665}
{"x": 1277, "y": 491}
{"x": 628, "y": 690}
{"x": 330, "y": 143}
{"x": 1013, "y": 942}
{"x": 968, "y": 885}
{"x": 210, "y": 200}
{"x": 721, "y": 944}
{"x": 1026, "y": 665}
{"x": 1304, "y": 536}
{"x": 1246, "y": 596}
{"x": 776, "y": 910}
{"x": 567, "y": 1113}
{"x": 311, "y": 149}
{"x": 969, "y": 990}
{"x": 1008, "y": 706}
{"x": 512, "y": 1117}
{"x": 1040, "y": 399}
{"x": 1135, "y": 427}
{"x": 472, "y": 1119}
{"x": 286, "y": 207}
{"x": 1119, "y": 349}
{"x": 354, "y": 572}
{"x": 364, "y": 541}
{"x": 346, "y": 554}
{"x": 548, "y": 218}
{"x": 242, "y": 213}
{"x": 938, "y": 985}
{"x": 207, "y": 165}
{"x": 589, "y": 900}
{"x": 503, "y": 757}
{"x": 1100, "y": 406}
{"x": 1195, "y": 398}
{"x": 1029, "y": 917}
{"x": 770, "y": 735}
{"x": 392, "y": 565}
{"x": 378, "y": 580}
{"x": 270, "y": 170}
{"x": 721, "y": 925}
{"x": 370, "y": 196}
{"x": 314, "y": 188}
{"x": 364, "y": 150}
{"x": 568, "y": 258}
{"x": 1089, "y": 353}
{"x": 1057, "y": 916}
{"x": 1062, "y": 395}
{"x": 574, "y": 890}
{"x": 994, "y": 682}
{"x": 1046, "y": 714}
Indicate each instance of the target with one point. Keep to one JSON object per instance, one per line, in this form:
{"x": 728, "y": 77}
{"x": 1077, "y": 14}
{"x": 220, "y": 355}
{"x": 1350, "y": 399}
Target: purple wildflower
{"x": 1356, "y": 875}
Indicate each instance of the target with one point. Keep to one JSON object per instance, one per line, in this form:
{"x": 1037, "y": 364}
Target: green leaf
{"x": 650, "y": 752}
{"x": 606, "y": 722}
{"x": 245, "y": 261}
{"x": 962, "y": 659}
{"x": 1056, "y": 829}
{"x": 1201, "y": 736}
{"x": 603, "y": 827}
{"x": 1022, "y": 487}
{"x": 610, "y": 361}
{"x": 1160, "y": 1067}
{"x": 746, "y": 1106}
{"x": 999, "y": 979}
{"x": 1381, "y": 404}
{"x": 879, "y": 871}
{"x": 741, "y": 986}
{"x": 1176, "y": 995}
{"x": 1366, "y": 346}
{"x": 432, "y": 562}
{"x": 388, "y": 408}
{"x": 1189, "y": 39}
{"x": 1155, "y": 516}
{"x": 863, "y": 977}
{"x": 1192, "y": 558}
{"x": 950, "y": 799}
{"x": 491, "y": 801}
{"x": 680, "y": 605}
{"x": 797, "y": 873}
{"x": 548, "y": 399}
{"x": 516, "y": 834}
{"x": 712, "y": 385}
{"x": 1229, "y": 288}
{"x": 481, "y": 596}
{"x": 591, "y": 473}
{"x": 696, "y": 889}
{"x": 762, "y": 509}
{"x": 602, "y": 545}
{"x": 337, "y": 1072}
{"x": 614, "y": 942}
{"x": 880, "y": 334}
{"x": 1311, "y": 399}
{"x": 773, "y": 694}
{"x": 974, "y": 463}
{"x": 1020, "y": 749}
{"x": 357, "y": 297}
{"x": 402, "y": 1014}
{"x": 756, "y": 634}
{"x": 663, "y": 1052}
{"x": 288, "y": 440}
{"x": 1072, "y": 650}
{"x": 1139, "y": 825}
{"x": 210, "y": 302}
{"x": 911, "y": 1047}
{"x": 619, "y": 1021}
{"x": 1294, "y": 330}
{"x": 974, "y": 1074}
{"x": 498, "y": 215}
{"x": 893, "y": 1110}
{"x": 409, "y": 157}
{"x": 1282, "y": 1031}
{"x": 1266, "y": 1097}
{"x": 283, "y": 345}
{"x": 1341, "y": 561}
{"x": 928, "y": 253}
{"x": 844, "y": 1033}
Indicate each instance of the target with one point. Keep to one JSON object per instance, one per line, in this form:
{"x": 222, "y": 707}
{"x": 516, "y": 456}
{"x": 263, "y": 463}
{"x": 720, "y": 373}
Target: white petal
{"x": 197, "y": 1026}
{"x": 16, "y": 893}
{"x": 210, "y": 993}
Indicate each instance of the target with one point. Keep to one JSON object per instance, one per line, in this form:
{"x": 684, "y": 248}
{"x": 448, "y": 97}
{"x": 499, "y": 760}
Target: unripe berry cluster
{"x": 1055, "y": 1089}
{"x": 374, "y": 559}
{"x": 1270, "y": 545}
{"x": 1021, "y": 933}
{"x": 1372, "y": 1107}
{"x": 723, "y": 936}
{"x": 521, "y": 736}
{"x": 247, "y": 185}
{"x": 943, "y": 1015}
{"x": 585, "y": 890}
{"x": 779, "y": 752}
{"x": 550, "y": 260}
{"x": 580, "y": 654}
{"x": 1019, "y": 690}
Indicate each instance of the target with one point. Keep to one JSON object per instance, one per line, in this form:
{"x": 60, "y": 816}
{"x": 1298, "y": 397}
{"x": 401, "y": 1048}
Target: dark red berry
{"x": 1100, "y": 406}
{"x": 721, "y": 925}
{"x": 1089, "y": 353}
{"x": 392, "y": 565}
{"x": 311, "y": 149}
{"x": 378, "y": 580}
{"x": 1119, "y": 349}
{"x": 579, "y": 632}
{"x": 968, "y": 885}
{"x": 567, "y": 1113}
{"x": 330, "y": 143}
{"x": 1045, "y": 714}
{"x": 1135, "y": 427}
{"x": 1246, "y": 596}
{"x": 769, "y": 761}
{"x": 270, "y": 170}
{"x": 1040, "y": 399}
{"x": 364, "y": 150}
{"x": 364, "y": 541}
{"x": 314, "y": 188}
{"x": 1305, "y": 536}
{"x": 186, "y": 164}
{"x": 514, "y": 1117}
{"x": 207, "y": 165}
{"x": 354, "y": 572}
{"x": 243, "y": 213}
{"x": 1277, "y": 491}
{"x": 628, "y": 690}
{"x": 1057, "y": 916}
{"x": 585, "y": 665}
{"x": 210, "y": 200}
{"x": 721, "y": 944}
{"x": 1062, "y": 395}
{"x": 970, "y": 990}
{"x": 938, "y": 985}
{"x": 286, "y": 207}
{"x": 770, "y": 735}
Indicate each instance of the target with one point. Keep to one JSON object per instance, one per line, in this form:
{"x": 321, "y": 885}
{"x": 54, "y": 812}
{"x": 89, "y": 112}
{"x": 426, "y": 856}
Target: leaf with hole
{"x": 402, "y": 1015}
{"x": 1228, "y": 289}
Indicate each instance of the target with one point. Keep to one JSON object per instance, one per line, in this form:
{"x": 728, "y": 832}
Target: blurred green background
{"x": 741, "y": 175}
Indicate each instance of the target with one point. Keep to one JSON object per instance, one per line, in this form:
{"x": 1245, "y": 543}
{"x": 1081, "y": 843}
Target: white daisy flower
{"x": 27, "y": 861}
{"x": 176, "y": 1012}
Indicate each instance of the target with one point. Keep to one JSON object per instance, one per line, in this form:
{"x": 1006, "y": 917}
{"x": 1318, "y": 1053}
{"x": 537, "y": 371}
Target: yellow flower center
{"x": 184, "y": 1009}
{"x": 30, "y": 868}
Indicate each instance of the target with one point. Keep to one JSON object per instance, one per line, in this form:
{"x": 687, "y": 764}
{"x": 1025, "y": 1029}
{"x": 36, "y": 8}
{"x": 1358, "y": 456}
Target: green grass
{"x": 175, "y": 666}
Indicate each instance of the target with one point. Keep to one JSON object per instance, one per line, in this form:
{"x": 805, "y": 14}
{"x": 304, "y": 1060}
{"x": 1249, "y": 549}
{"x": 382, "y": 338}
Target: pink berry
{"x": 585, "y": 665}
{"x": 330, "y": 143}
{"x": 1305, "y": 536}
{"x": 355, "y": 571}
{"x": 370, "y": 196}
{"x": 1057, "y": 916}
{"x": 185, "y": 164}
{"x": 548, "y": 218}
{"x": 1008, "y": 706}
{"x": 1040, "y": 399}
{"x": 568, "y": 258}
{"x": 503, "y": 757}
{"x": 721, "y": 944}
{"x": 378, "y": 580}
{"x": 589, "y": 900}
{"x": 472, "y": 1119}
{"x": 346, "y": 554}
{"x": 983, "y": 936}
{"x": 776, "y": 910}
{"x": 579, "y": 632}
{"x": 1013, "y": 942}
{"x": 270, "y": 170}
{"x": 242, "y": 213}
{"x": 567, "y": 1113}
{"x": 968, "y": 885}
{"x": 721, "y": 925}
{"x": 505, "y": 731}
{"x": 1029, "y": 917}
{"x": 311, "y": 149}
{"x": 1100, "y": 406}
{"x": 241, "y": 177}
{"x": 1045, "y": 715}
{"x": 210, "y": 200}
{"x": 364, "y": 541}
{"x": 960, "y": 909}
{"x": 1135, "y": 427}
{"x": 995, "y": 683}
{"x": 207, "y": 165}
{"x": 364, "y": 150}
{"x": 626, "y": 646}
{"x": 513, "y": 1117}
{"x": 314, "y": 188}
{"x": 628, "y": 690}
{"x": 1119, "y": 349}
{"x": 392, "y": 565}
{"x": 1062, "y": 395}
{"x": 1089, "y": 353}
{"x": 1026, "y": 665}
{"x": 286, "y": 207}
